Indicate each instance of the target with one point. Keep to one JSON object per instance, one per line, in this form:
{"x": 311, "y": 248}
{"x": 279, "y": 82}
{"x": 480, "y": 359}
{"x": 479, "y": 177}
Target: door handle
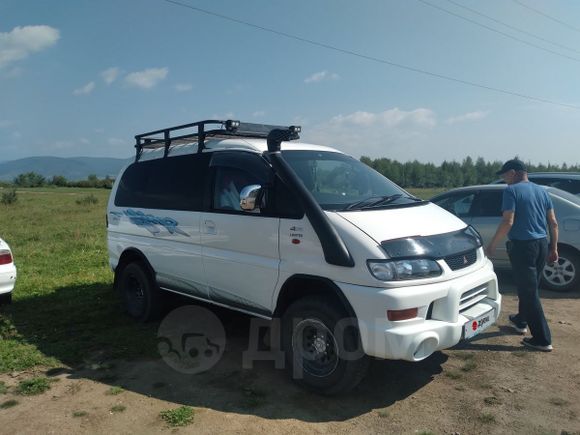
{"x": 210, "y": 227}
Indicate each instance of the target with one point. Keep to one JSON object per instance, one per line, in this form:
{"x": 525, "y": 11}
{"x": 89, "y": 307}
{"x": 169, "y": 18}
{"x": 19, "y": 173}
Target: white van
{"x": 244, "y": 217}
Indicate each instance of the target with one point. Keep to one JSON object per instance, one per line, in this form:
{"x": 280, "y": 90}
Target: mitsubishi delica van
{"x": 246, "y": 217}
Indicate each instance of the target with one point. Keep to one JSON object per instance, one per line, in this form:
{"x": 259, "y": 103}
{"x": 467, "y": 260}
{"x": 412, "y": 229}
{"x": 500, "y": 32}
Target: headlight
{"x": 397, "y": 270}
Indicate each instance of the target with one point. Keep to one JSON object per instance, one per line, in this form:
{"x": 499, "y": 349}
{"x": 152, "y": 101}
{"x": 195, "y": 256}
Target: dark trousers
{"x": 528, "y": 259}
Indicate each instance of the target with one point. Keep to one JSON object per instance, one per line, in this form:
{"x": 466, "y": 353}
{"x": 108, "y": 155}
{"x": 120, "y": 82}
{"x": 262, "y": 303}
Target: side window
{"x": 458, "y": 204}
{"x": 487, "y": 204}
{"x": 172, "y": 183}
{"x": 232, "y": 172}
{"x": 228, "y": 185}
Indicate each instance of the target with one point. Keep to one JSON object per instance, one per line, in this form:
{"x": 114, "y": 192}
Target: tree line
{"x": 33, "y": 179}
{"x": 450, "y": 174}
{"x": 409, "y": 174}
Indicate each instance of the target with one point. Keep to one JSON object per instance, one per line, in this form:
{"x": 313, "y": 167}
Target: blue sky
{"x": 82, "y": 77}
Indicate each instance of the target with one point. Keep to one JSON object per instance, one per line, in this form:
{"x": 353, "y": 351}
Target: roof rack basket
{"x": 225, "y": 129}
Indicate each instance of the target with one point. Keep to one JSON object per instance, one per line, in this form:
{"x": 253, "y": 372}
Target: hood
{"x": 395, "y": 223}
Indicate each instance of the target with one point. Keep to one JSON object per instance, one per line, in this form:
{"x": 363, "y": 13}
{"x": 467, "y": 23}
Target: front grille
{"x": 472, "y": 297}
{"x": 456, "y": 262}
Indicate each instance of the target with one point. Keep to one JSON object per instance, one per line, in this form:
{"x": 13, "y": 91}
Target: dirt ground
{"x": 489, "y": 385}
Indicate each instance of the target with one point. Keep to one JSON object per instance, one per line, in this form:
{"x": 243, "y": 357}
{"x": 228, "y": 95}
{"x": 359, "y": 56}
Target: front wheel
{"x": 140, "y": 294}
{"x": 6, "y": 298}
{"x": 322, "y": 346}
{"x": 563, "y": 275}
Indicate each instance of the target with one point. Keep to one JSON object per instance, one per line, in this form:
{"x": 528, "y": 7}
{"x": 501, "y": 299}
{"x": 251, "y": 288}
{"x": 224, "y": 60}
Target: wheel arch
{"x": 568, "y": 247}
{"x": 131, "y": 255}
{"x": 299, "y": 285}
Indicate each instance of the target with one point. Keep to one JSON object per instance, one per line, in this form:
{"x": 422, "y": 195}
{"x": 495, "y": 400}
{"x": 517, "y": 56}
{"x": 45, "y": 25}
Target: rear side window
{"x": 172, "y": 183}
{"x": 487, "y": 204}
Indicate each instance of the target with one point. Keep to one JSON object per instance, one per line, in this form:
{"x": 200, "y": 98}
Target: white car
{"x": 7, "y": 273}
{"x": 243, "y": 218}
{"x": 480, "y": 206}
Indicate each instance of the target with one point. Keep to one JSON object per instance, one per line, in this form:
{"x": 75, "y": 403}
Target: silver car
{"x": 480, "y": 206}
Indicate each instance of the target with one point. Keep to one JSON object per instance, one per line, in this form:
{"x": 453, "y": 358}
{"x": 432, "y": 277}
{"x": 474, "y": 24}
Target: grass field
{"x": 64, "y": 309}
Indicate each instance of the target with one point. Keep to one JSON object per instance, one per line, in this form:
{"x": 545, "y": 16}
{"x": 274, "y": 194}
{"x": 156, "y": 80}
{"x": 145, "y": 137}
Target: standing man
{"x": 527, "y": 208}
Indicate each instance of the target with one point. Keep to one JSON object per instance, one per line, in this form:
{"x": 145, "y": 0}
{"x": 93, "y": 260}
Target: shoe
{"x": 518, "y": 326}
{"x": 529, "y": 342}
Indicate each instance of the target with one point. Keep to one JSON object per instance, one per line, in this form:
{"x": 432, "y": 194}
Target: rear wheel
{"x": 139, "y": 292}
{"x": 322, "y": 346}
{"x": 563, "y": 275}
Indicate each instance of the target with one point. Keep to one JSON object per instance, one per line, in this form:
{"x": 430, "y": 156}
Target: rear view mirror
{"x": 249, "y": 196}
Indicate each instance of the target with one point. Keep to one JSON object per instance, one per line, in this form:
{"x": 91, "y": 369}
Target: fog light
{"x": 409, "y": 313}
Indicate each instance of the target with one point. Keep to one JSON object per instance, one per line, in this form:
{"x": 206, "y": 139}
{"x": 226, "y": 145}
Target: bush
{"x": 9, "y": 197}
{"x": 87, "y": 200}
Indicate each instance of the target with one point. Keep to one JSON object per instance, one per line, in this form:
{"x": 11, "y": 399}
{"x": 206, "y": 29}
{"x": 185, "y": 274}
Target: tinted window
{"x": 487, "y": 204}
{"x": 172, "y": 183}
{"x": 234, "y": 171}
{"x": 459, "y": 204}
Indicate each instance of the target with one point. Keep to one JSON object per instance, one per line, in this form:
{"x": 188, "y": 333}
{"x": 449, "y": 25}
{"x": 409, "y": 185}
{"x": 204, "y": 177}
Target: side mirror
{"x": 249, "y": 196}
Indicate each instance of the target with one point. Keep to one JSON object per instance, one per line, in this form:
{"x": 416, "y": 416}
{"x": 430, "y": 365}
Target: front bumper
{"x": 7, "y": 278}
{"x": 442, "y": 313}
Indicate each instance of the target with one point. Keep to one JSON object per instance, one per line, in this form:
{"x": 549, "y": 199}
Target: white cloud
{"x": 394, "y": 132}
{"x": 5, "y": 123}
{"x": 85, "y": 90}
{"x": 389, "y": 118}
{"x": 258, "y": 114}
{"x": 16, "y": 135}
{"x": 183, "y": 87}
{"x": 110, "y": 75}
{"x": 84, "y": 141}
{"x": 471, "y": 116}
{"x": 320, "y": 76}
{"x": 19, "y": 43}
{"x": 146, "y": 79}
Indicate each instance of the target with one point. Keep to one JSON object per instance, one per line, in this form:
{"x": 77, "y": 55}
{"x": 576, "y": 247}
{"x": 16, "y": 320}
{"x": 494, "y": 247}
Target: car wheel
{"x": 563, "y": 275}
{"x": 321, "y": 356}
{"x": 6, "y": 299}
{"x": 140, "y": 295}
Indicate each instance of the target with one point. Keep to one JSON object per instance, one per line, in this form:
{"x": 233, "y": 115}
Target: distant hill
{"x": 73, "y": 168}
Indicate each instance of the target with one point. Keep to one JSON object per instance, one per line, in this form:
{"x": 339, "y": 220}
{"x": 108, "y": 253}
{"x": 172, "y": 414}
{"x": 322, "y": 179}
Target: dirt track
{"x": 489, "y": 385}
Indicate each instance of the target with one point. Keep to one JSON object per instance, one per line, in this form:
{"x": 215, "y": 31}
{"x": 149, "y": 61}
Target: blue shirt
{"x": 530, "y": 203}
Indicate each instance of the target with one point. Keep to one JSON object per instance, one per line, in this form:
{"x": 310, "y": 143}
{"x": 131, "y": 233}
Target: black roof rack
{"x": 225, "y": 129}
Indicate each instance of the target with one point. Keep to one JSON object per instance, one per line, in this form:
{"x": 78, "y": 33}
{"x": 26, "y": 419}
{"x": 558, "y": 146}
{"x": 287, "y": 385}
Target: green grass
{"x": 113, "y": 391}
{"x": 383, "y": 413}
{"x": 3, "y": 388}
{"x": 64, "y": 307}
{"x": 78, "y": 414}
{"x": 453, "y": 374}
{"x": 8, "y": 404}
{"x": 487, "y": 418}
{"x": 33, "y": 386}
{"x": 177, "y": 417}
{"x": 469, "y": 365}
{"x": 118, "y": 408}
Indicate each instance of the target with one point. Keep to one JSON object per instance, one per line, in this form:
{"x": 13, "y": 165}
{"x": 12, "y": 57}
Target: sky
{"x": 430, "y": 80}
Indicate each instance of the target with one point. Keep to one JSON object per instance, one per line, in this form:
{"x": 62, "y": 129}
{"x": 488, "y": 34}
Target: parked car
{"x": 240, "y": 217}
{"x": 568, "y": 181}
{"x": 7, "y": 273}
{"x": 480, "y": 206}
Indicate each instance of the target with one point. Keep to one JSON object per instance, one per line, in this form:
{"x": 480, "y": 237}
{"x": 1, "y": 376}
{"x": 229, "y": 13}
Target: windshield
{"x": 340, "y": 182}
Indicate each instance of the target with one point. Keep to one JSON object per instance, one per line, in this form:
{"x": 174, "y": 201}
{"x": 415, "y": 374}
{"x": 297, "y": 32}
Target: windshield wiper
{"x": 364, "y": 201}
{"x": 380, "y": 201}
